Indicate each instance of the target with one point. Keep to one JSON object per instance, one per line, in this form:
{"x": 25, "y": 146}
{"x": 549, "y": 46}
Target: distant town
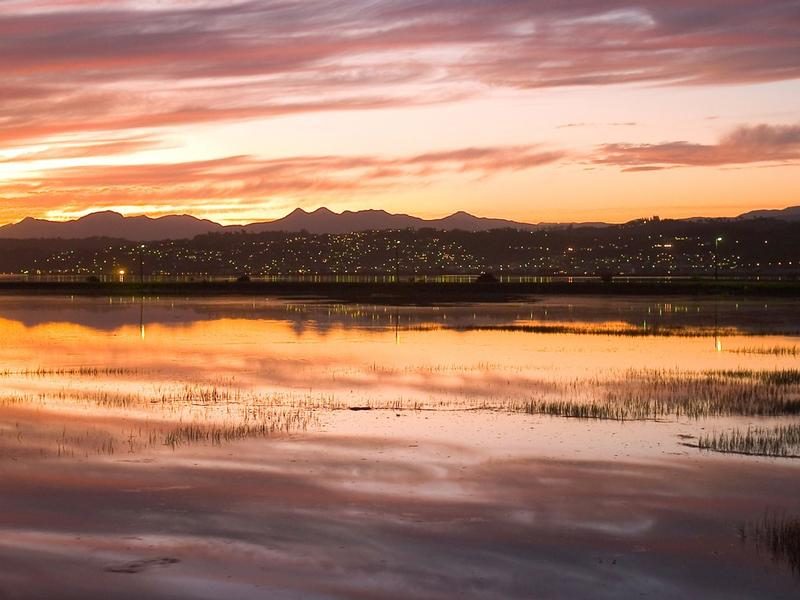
{"x": 647, "y": 247}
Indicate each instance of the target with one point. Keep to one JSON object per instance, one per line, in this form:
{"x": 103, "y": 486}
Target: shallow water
{"x": 206, "y": 447}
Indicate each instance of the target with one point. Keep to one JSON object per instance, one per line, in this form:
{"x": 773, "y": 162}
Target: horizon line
{"x": 325, "y": 209}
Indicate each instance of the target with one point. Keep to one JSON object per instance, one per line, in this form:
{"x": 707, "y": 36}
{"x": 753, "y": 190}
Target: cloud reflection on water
{"x": 245, "y": 525}
{"x": 373, "y": 504}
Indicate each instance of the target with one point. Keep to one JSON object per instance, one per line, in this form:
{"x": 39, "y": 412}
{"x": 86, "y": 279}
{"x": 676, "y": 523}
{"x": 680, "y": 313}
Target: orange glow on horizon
{"x": 510, "y": 113}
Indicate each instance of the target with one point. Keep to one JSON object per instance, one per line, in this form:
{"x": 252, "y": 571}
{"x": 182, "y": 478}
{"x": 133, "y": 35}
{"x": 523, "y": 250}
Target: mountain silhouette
{"x": 113, "y": 225}
{"x": 324, "y": 220}
{"x": 144, "y": 229}
{"x": 787, "y": 214}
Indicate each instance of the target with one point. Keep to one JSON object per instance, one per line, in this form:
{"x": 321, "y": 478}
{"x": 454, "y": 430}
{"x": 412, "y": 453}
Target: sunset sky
{"x": 536, "y": 110}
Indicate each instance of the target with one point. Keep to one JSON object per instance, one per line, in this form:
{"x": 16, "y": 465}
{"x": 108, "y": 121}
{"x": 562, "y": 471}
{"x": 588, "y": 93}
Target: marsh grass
{"x": 633, "y": 395}
{"x": 653, "y": 394}
{"x": 779, "y": 535}
{"x": 105, "y": 422}
{"x": 781, "y": 441}
{"x": 278, "y": 422}
{"x": 650, "y": 330}
{"x": 130, "y": 437}
{"x": 630, "y": 395}
{"x": 136, "y": 416}
{"x": 777, "y": 377}
{"x": 769, "y": 351}
{"x": 74, "y": 372}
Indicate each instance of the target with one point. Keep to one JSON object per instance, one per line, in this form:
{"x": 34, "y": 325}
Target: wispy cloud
{"x": 73, "y": 66}
{"x": 241, "y": 182}
{"x": 744, "y": 145}
{"x": 93, "y": 149}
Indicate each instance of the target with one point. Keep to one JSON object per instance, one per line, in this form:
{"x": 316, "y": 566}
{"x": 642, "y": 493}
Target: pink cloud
{"x": 743, "y": 145}
{"x": 76, "y": 66}
{"x": 246, "y": 181}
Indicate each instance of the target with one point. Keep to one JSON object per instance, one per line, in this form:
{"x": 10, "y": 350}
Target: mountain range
{"x": 143, "y": 229}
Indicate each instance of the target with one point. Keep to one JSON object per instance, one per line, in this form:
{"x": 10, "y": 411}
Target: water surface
{"x": 201, "y": 448}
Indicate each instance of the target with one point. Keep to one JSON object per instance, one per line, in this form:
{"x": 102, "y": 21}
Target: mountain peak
{"x": 102, "y": 214}
{"x": 322, "y": 220}
{"x": 325, "y": 221}
{"x": 112, "y": 224}
{"x": 791, "y": 213}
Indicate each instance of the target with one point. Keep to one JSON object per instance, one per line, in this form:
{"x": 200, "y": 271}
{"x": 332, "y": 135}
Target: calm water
{"x": 208, "y": 448}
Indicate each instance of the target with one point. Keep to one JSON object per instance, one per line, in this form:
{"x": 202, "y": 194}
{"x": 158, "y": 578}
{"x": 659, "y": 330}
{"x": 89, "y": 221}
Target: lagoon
{"x": 262, "y": 447}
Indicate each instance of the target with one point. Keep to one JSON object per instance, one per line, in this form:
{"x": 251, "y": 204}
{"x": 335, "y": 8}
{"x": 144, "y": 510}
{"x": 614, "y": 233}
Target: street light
{"x": 122, "y": 275}
{"x": 717, "y": 240}
{"x": 141, "y": 263}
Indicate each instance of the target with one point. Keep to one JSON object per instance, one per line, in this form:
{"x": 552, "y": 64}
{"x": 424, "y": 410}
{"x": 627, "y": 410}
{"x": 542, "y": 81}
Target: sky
{"x": 535, "y": 110}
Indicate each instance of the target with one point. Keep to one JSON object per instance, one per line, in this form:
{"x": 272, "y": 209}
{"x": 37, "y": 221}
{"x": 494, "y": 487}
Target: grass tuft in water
{"x": 782, "y": 441}
{"x": 770, "y": 351}
{"x": 779, "y": 535}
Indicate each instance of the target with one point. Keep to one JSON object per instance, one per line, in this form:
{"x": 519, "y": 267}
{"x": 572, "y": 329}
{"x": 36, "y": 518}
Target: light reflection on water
{"x": 183, "y": 407}
{"x": 266, "y": 342}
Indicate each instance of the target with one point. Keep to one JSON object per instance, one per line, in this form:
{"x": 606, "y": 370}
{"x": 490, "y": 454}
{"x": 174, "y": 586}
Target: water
{"x": 206, "y": 448}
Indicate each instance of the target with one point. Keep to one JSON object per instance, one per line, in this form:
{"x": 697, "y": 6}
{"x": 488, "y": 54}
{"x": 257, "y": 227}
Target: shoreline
{"x": 406, "y": 293}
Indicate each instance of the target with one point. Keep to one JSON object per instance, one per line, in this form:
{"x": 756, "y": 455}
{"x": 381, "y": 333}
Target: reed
{"x": 632, "y": 395}
{"x": 71, "y": 372}
{"x": 779, "y": 535}
{"x": 590, "y": 329}
{"x": 768, "y": 351}
{"x": 781, "y": 441}
{"x": 217, "y": 434}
